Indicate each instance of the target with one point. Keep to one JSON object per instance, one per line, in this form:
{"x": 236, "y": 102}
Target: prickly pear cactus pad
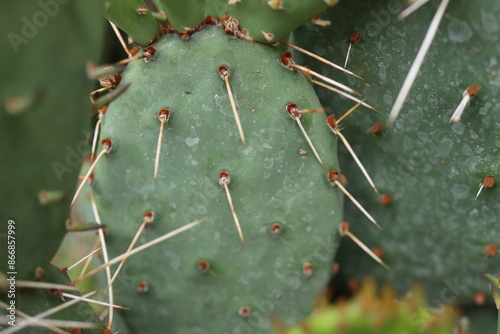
{"x": 435, "y": 231}
{"x": 261, "y": 20}
{"x": 217, "y": 278}
{"x": 45, "y": 110}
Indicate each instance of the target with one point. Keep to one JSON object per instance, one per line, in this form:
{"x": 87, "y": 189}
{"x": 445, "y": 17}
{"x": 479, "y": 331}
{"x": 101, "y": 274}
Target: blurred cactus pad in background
{"x": 220, "y": 134}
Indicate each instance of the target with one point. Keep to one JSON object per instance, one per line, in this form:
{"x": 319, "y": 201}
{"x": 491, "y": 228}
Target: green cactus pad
{"x": 43, "y": 124}
{"x": 184, "y": 14}
{"x": 264, "y": 21}
{"x": 434, "y": 229}
{"x": 133, "y": 17}
{"x": 275, "y": 179}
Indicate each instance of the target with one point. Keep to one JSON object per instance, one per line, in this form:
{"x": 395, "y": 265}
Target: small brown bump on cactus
{"x": 335, "y": 268}
{"x": 120, "y": 39}
{"x": 75, "y": 330}
{"x": 46, "y": 197}
{"x": 321, "y": 59}
{"x": 224, "y": 180}
{"x": 204, "y": 266}
{"x": 376, "y": 128}
{"x": 142, "y": 287}
{"x": 107, "y": 146}
{"x": 276, "y": 229}
{"x": 100, "y": 114}
{"x": 163, "y": 116}
{"x": 344, "y": 230}
{"x": 147, "y": 219}
{"x": 487, "y": 182}
{"x": 385, "y": 199}
{"x": 307, "y": 269}
{"x": 354, "y": 38}
{"x": 286, "y": 60}
{"x": 490, "y": 250}
{"x": 224, "y": 74}
{"x": 107, "y": 82}
{"x": 244, "y": 311}
{"x": 333, "y": 177}
{"x": 107, "y": 331}
{"x": 411, "y": 8}
{"x": 147, "y": 54}
{"x": 138, "y": 250}
{"x": 39, "y": 272}
{"x": 379, "y": 251}
{"x": 479, "y": 298}
{"x": 417, "y": 63}
{"x": 467, "y": 95}
{"x": 333, "y": 124}
{"x": 294, "y": 112}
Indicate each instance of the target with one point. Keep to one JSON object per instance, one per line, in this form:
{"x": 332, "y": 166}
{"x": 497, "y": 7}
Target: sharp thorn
{"x": 224, "y": 73}
{"x": 417, "y": 63}
{"x": 333, "y": 177}
{"x": 321, "y": 59}
{"x": 224, "y": 180}
{"x": 324, "y": 78}
{"x": 344, "y": 230}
